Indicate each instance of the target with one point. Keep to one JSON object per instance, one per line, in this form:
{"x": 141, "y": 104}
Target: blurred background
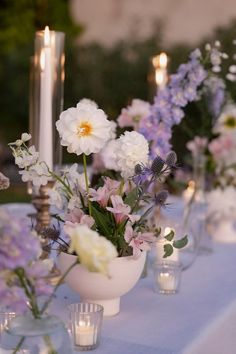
{"x": 109, "y": 44}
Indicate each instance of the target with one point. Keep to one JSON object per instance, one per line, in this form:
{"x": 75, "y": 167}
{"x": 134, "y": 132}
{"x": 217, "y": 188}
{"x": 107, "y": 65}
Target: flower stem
{"x": 47, "y": 303}
{"x": 19, "y": 345}
{"x": 122, "y": 183}
{"x": 29, "y": 291}
{"x": 48, "y": 341}
{"x": 59, "y": 179}
{"x": 87, "y": 183}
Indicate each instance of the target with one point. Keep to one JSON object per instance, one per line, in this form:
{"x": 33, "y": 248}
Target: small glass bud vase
{"x": 199, "y": 208}
{"x": 194, "y": 216}
{"x": 26, "y": 334}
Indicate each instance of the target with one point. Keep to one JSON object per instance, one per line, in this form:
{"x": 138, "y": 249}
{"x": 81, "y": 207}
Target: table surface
{"x": 150, "y": 323}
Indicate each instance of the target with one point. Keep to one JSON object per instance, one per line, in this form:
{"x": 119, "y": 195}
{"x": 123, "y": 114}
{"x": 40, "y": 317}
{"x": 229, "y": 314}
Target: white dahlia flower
{"x": 132, "y": 149}
{"x": 84, "y": 128}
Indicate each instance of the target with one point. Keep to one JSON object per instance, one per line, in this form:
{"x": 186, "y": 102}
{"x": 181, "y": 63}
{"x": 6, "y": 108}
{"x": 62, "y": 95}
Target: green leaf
{"x": 131, "y": 198}
{"x": 168, "y": 249}
{"x": 102, "y": 222}
{"x": 170, "y": 236}
{"x": 157, "y": 231}
{"x": 181, "y": 243}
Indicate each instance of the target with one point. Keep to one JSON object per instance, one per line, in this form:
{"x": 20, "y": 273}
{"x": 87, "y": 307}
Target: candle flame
{"x": 191, "y": 184}
{"x": 46, "y": 36}
{"x": 160, "y": 61}
{"x": 85, "y": 324}
{"x": 163, "y": 60}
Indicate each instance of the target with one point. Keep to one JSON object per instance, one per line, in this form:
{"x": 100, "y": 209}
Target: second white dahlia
{"x": 132, "y": 149}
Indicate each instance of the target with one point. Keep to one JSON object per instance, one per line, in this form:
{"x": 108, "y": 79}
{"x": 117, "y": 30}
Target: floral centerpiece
{"x": 223, "y": 148}
{"x": 215, "y": 146}
{"x": 112, "y": 208}
{"x": 116, "y": 210}
{"x": 221, "y": 199}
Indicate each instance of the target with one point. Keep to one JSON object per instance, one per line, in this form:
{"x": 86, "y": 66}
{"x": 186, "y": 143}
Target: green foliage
{"x": 102, "y": 221}
{"x": 170, "y": 236}
{"x": 168, "y": 250}
{"x": 181, "y": 243}
{"x": 169, "y": 247}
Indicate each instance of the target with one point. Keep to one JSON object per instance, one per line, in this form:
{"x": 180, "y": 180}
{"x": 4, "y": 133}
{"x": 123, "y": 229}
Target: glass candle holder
{"x": 5, "y": 319}
{"x": 85, "y": 325}
{"x": 167, "y": 277}
{"x": 46, "y": 94}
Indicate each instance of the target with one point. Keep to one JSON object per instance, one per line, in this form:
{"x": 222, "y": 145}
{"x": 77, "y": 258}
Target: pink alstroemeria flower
{"x": 100, "y": 195}
{"x": 76, "y": 217}
{"x": 103, "y": 194}
{"x": 121, "y": 211}
{"x": 222, "y": 146}
{"x": 138, "y": 241}
{"x": 112, "y": 185}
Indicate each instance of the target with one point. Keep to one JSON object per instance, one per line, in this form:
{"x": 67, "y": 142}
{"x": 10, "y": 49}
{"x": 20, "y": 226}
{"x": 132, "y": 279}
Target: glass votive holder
{"x": 85, "y": 325}
{"x": 167, "y": 277}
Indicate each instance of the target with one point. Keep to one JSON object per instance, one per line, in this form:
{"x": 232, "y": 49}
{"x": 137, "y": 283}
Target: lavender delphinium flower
{"x": 169, "y": 102}
{"x": 159, "y": 135}
{"x": 16, "y": 248}
{"x": 22, "y": 274}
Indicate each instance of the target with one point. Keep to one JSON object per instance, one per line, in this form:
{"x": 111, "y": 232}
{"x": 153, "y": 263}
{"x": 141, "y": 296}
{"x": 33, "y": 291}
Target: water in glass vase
{"x": 25, "y": 334}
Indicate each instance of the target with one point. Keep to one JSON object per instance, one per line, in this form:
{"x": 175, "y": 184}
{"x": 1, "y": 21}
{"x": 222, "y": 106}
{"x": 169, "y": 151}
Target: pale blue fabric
{"x": 167, "y": 323}
{"x": 150, "y": 323}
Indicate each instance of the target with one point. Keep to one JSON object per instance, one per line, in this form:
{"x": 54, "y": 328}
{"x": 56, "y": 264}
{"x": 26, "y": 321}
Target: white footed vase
{"x": 97, "y": 288}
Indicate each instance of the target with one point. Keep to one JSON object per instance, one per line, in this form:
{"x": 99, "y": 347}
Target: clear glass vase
{"x": 47, "y": 335}
{"x": 194, "y": 215}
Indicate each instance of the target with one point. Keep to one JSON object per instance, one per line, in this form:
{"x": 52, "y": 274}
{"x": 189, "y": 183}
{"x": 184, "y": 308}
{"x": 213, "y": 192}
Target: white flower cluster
{"x": 4, "y": 181}
{"x": 216, "y": 56}
{"x": 226, "y": 123}
{"x": 27, "y": 159}
{"x": 221, "y": 202}
{"x": 125, "y": 153}
{"x": 64, "y": 198}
